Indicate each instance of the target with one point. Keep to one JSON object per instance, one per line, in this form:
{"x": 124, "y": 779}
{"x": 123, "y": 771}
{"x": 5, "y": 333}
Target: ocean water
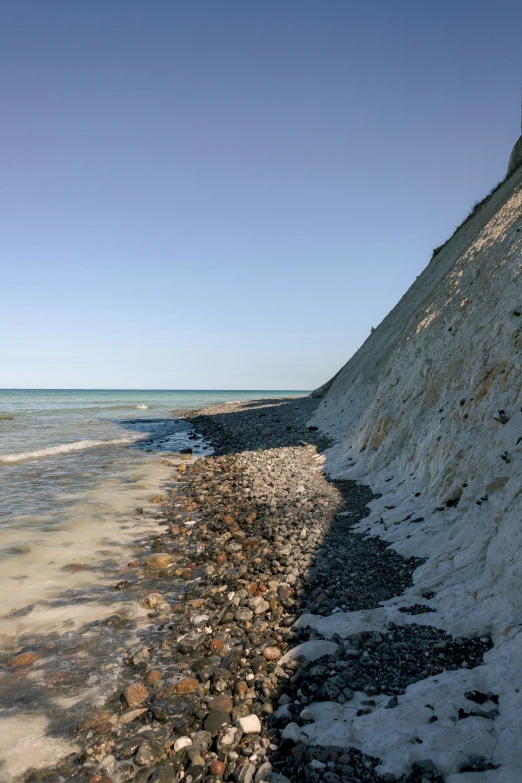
{"x": 74, "y": 466}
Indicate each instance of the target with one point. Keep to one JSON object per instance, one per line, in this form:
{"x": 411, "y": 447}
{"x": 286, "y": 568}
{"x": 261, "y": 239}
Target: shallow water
{"x": 74, "y": 466}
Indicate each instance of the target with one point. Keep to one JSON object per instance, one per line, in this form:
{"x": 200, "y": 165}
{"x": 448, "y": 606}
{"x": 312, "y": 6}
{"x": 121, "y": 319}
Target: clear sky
{"x": 230, "y": 194}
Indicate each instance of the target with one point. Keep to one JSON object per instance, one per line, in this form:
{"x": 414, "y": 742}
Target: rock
{"x": 292, "y": 731}
{"x": 258, "y": 605}
{"x": 310, "y": 650}
{"x": 393, "y": 702}
{"x": 108, "y": 764}
{"x": 216, "y": 720}
{"x": 244, "y": 773}
{"x": 201, "y": 741}
{"x": 153, "y": 600}
{"x": 131, "y": 715}
{"x": 157, "y": 499}
{"x": 232, "y": 659}
{"x": 181, "y": 468}
{"x": 216, "y": 644}
{"x": 24, "y": 659}
{"x": 218, "y": 768}
{"x": 223, "y": 702}
{"x": 272, "y": 653}
{"x": 154, "y": 676}
{"x": 182, "y": 742}
{"x": 250, "y": 724}
{"x": 159, "y": 561}
{"x": 265, "y": 768}
{"x": 187, "y": 685}
{"x": 258, "y": 664}
{"x": 148, "y": 753}
{"x": 276, "y": 777}
{"x": 135, "y": 694}
{"x": 424, "y": 765}
{"x": 229, "y": 739}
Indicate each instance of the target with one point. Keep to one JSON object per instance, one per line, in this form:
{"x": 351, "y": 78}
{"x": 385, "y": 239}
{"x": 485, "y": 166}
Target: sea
{"x": 76, "y": 467}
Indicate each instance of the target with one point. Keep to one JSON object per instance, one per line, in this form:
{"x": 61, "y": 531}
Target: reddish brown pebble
{"x": 263, "y": 588}
{"x": 187, "y": 685}
{"x": 242, "y": 689}
{"x": 251, "y": 588}
{"x": 272, "y": 653}
{"x": 186, "y": 573}
{"x": 133, "y": 563}
{"x": 182, "y": 468}
{"x": 228, "y": 520}
{"x": 23, "y": 659}
{"x": 174, "y": 530}
{"x": 222, "y": 702}
{"x": 221, "y": 559}
{"x": 135, "y": 694}
{"x": 218, "y": 768}
{"x": 217, "y": 644}
{"x": 153, "y": 676}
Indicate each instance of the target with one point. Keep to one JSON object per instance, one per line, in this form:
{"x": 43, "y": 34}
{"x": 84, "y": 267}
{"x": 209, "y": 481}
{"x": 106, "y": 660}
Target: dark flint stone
{"x": 232, "y": 659}
{"x": 476, "y": 696}
{"x": 195, "y": 772}
{"x": 130, "y": 746}
{"x": 425, "y": 765}
{"x": 216, "y": 720}
{"x": 258, "y": 664}
{"x": 164, "y": 774}
{"x": 160, "y": 709}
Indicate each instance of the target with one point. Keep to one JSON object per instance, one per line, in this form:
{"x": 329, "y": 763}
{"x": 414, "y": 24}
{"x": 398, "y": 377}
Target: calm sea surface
{"x": 53, "y": 443}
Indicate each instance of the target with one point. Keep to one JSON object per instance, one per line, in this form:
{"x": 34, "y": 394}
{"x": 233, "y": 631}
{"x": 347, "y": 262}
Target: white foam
{"x": 65, "y": 448}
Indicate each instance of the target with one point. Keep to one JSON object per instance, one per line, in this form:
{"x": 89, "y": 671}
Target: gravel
{"x": 272, "y": 539}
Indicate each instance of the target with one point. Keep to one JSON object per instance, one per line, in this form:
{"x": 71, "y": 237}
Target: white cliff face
{"x": 428, "y": 412}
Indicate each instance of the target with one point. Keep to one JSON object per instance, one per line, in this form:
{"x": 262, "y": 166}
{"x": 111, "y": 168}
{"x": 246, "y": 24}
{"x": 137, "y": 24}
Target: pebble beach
{"x": 250, "y": 548}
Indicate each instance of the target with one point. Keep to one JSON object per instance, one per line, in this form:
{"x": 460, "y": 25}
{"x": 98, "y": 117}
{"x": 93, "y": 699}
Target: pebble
{"x": 135, "y": 694}
{"x": 272, "y": 653}
{"x": 267, "y": 544}
{"x": 182, "y": 742}
{"x": 216, "y": 720}
{"x": 159, "y": 560}
{"x": 250, "y": 724}
{"x": 187, "y": 685}
{"x": 23, "y": 659}
{"x": 153, "y": 600}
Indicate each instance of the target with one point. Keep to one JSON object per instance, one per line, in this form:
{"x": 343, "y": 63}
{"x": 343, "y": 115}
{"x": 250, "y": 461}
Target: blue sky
{"x": 224, "y": 194}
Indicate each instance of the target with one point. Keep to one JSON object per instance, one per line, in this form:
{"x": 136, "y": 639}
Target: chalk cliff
{"x": 428, "y": 412}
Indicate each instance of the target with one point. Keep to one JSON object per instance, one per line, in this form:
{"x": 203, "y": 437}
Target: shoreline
{"x": 254, "y": 551}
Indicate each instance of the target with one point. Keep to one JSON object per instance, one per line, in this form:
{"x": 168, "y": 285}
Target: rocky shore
{"x": 250, "y": 540}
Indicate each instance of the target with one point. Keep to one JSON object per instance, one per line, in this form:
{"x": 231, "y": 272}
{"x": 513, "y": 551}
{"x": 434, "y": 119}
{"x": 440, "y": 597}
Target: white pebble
{"x": 182, "y": 742}
{"x": 250, "y": 724}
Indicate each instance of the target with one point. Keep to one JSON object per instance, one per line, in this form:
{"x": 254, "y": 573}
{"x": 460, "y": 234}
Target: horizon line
{"x": 53, "y": 388}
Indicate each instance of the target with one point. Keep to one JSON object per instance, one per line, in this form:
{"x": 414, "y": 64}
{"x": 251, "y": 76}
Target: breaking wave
{"x": 65, "y": 448}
